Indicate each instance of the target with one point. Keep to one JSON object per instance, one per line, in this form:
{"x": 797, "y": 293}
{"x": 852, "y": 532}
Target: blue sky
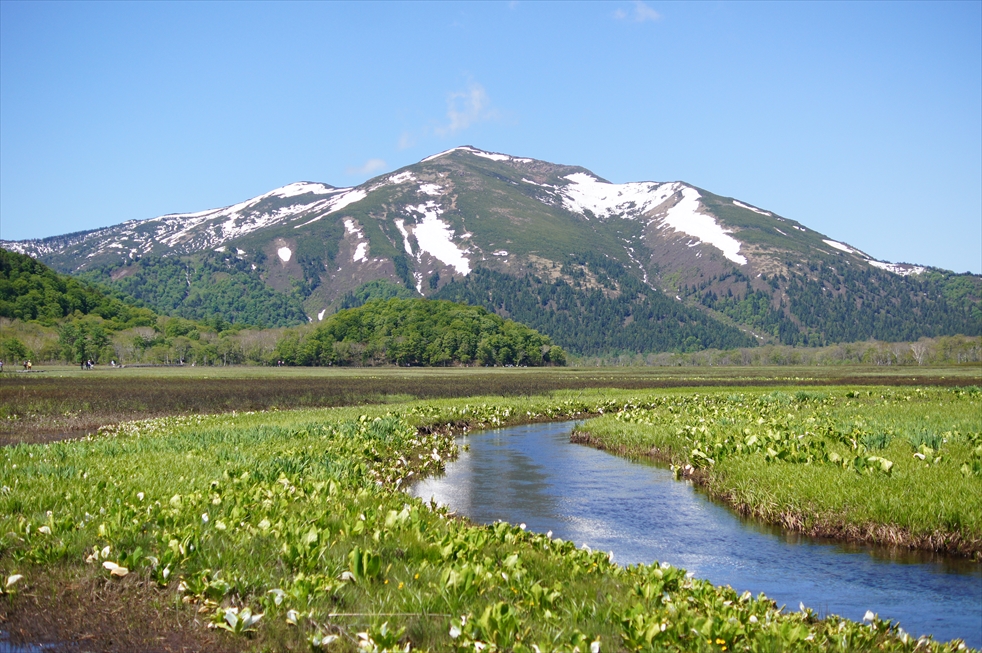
{"x": 863, "y": 121}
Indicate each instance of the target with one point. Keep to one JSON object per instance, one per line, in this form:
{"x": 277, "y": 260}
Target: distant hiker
{"x": 29, "y": 366}
{"x": 25, "y": 366}
{"x": 1, "y": 367}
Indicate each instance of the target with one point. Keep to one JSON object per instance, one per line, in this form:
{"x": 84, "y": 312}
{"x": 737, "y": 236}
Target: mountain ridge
{"x": 431, "y": 224}
{"x": 583, "y": 196}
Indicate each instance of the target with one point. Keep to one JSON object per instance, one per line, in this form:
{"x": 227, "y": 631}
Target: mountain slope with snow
{"x": 430, "y": 226}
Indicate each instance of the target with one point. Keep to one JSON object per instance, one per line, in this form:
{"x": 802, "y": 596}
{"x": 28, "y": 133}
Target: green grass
{"x": 298, "y": 516}
{"x": 894, "y": 466}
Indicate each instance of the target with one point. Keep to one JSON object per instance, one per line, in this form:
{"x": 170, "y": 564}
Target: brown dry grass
{"x": 37, "y": 408}
{"x": 74, "y": 609}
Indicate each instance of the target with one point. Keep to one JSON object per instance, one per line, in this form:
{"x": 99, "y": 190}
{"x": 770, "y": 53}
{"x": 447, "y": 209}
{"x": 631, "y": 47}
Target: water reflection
{"x": 532, "y": 474}
{"x": 7, "y": 647}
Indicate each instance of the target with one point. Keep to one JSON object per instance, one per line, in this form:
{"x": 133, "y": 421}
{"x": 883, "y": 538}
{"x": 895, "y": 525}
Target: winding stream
{"x": 533, "y": 475}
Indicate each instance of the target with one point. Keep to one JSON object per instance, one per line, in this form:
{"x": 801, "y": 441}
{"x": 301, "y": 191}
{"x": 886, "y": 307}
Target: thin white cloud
{"x": 406, "y": 140}
{"x": 641, "y": 13}
{"x": 368, "y": 168}
{"x": 464, "y": 108}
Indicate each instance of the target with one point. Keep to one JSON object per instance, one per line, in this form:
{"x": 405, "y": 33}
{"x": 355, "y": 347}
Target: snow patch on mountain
{"x": 587, "y": 193}
{"x": 285, "y": 254}
{"x": 473, "y": 150}
{"x": 750, "y": 208}
{"x": 401, "y": 226}
{"x": 361, "y": 250}
{"x": 241, "y": 223}
{"x": 435, "y": 237}
{"x": 493, "y": 157}
{"x": 341, "y": 201}
{"x": 446, "y": 152}
{"x": 19, "y": 248}
{"x": 176, "y": 229}
{"x": 499, "y": 157}
{"x": 211, "y": 229}
{"x": 431, "y": 189}
{"x": 401, "y": 178}
{"x": 901, "y": 269}
{"x": 840, "y": 246}
{"x": 304, "y": 224}
{"x": 686, "y": 217}
{"x": 302, "y": 188}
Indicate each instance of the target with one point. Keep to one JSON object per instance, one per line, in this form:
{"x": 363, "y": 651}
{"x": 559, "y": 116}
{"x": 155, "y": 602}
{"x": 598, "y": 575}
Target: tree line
{"x": 943, "y": 350}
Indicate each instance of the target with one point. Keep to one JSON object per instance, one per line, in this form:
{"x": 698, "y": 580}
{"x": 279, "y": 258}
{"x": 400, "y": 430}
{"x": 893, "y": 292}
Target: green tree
{"x": 556, "y": 356}
{"x": 414, "y": 332}
{"x": 81, "y": 341}
{"x": 13, "y": 350}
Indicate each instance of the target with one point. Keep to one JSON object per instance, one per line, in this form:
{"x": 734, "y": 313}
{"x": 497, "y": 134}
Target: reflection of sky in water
{"x": 532, "y": 474}
{"x": 7, "y": 647}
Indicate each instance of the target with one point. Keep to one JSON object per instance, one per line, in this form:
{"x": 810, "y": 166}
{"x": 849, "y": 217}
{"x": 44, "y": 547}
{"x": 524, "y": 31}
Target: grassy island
{"x": 894, "y": 466}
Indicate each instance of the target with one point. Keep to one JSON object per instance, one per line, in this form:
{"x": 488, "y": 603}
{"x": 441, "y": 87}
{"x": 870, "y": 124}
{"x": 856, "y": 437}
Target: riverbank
{"x": 186, "y": 529}
{"x": 880, "y": 466}
{"x": 641, "y": 513}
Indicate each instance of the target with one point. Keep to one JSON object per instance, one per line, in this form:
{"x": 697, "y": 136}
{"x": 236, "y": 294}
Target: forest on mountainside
{"x": 50, "y": 316}
{"x": 831, "y": 304}
{"x": 206, "y": 288}
{"x": 611, "y": 311}
{"x": 30, "y": 290}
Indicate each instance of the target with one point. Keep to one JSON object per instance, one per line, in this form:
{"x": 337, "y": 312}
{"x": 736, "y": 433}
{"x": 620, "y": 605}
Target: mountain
{"x": 600, "y": 267}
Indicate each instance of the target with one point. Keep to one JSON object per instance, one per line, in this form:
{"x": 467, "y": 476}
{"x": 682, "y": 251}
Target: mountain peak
{"x": 470, "y": 149}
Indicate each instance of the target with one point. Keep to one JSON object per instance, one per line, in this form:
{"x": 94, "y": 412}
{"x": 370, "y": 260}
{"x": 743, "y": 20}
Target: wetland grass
{"x": 893, "y": 466}
{"x": 286, "y": 530}
{"x": 66, "y": 402}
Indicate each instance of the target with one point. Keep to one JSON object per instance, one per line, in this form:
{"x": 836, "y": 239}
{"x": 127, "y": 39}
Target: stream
{"x": 533, "y": 475}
